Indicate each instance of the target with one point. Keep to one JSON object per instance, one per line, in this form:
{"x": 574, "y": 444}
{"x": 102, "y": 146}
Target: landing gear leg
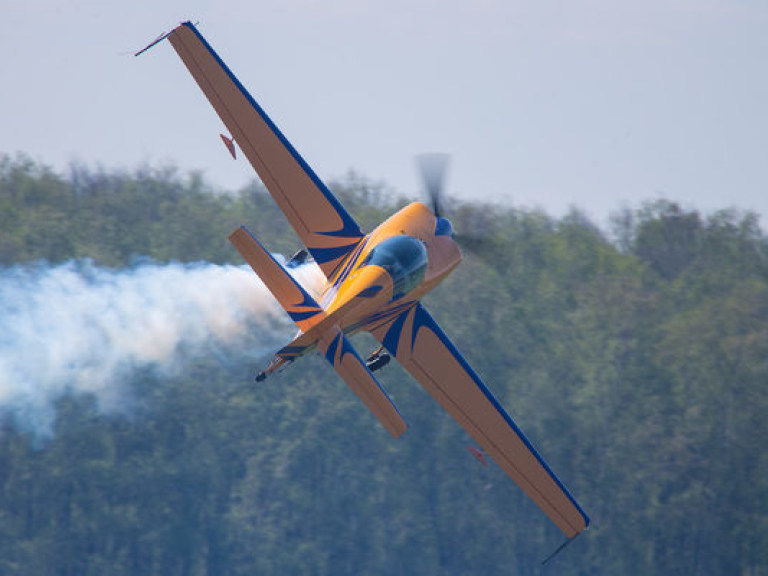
{"x": 378, "y": 359}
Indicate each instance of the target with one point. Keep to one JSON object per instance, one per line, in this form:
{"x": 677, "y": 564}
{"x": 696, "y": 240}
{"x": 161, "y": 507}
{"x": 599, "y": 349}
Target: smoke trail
{"x": 79, "y": 328}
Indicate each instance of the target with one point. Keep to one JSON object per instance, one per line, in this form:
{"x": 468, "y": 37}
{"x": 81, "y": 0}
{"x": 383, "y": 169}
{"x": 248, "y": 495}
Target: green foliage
{"x": 637, "y": 366}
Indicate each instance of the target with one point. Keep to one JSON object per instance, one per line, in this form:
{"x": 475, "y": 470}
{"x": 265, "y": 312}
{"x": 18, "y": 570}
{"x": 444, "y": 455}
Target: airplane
{"x": 375, "y": 283}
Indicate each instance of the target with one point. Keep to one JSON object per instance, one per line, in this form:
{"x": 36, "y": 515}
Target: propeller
{"x": 433, "y": 168}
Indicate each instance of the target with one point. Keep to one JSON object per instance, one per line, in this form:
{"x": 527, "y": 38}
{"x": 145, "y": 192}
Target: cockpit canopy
{"x": 405, "y": 260}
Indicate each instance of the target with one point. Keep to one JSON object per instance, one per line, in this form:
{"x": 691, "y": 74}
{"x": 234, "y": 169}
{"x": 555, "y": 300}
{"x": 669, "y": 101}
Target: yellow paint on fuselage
{"x": 342, "y": 297}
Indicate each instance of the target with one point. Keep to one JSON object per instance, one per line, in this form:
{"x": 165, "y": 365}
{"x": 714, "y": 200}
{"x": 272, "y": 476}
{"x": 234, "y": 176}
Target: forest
{"x": 634, "y": 357}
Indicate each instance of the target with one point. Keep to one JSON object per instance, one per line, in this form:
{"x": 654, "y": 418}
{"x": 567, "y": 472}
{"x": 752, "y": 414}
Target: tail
{"x": 301, "y": 307}
{"x": 318, "y": 329}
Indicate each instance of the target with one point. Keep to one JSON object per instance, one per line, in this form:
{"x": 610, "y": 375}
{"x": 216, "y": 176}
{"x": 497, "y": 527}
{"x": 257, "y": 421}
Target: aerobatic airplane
{"x": 374, "y": 283}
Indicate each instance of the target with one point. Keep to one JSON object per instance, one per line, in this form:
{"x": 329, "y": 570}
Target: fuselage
{"x": 401, "y": 260}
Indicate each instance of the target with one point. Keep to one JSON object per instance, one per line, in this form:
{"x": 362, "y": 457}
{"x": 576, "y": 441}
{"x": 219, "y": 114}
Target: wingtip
{"x": 562, "y": 547}
{"x": 154, "y": 42}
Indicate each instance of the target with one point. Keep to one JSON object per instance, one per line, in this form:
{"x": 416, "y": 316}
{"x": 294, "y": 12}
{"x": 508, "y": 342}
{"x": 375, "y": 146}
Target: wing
{"x": 325, "y": 228}
{"x": 418, "y": 343}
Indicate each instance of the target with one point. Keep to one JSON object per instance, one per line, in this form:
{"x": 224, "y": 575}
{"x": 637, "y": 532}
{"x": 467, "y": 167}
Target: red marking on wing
{"x": 479, "y": 455}
{"x": 230, "y": 144}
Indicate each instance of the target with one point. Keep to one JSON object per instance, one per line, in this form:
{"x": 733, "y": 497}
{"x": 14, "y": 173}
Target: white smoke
{"x": 78, "y": 328}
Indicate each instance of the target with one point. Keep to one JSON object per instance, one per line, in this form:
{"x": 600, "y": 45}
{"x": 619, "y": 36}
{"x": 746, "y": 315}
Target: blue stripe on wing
{"x": 323, "y": 255}
{"x": 330, "y": 354}
{"x": 303, "y": 315}
{"x": 392, "y": 339}
{"x": 379, "y": 318}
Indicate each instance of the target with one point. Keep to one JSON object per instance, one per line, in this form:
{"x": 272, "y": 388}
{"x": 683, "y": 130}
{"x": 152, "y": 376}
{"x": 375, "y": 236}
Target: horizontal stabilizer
{"x": 342, "y": 356}
{"x": 301, "y": 307}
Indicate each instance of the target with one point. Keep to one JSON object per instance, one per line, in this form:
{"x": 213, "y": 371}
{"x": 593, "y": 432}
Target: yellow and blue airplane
{"x": 374, "y": 283}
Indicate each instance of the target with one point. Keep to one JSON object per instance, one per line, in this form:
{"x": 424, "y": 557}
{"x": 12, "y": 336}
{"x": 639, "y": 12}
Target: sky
{"x": 598, "y": 104}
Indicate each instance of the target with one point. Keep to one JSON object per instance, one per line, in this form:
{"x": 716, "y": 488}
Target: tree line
{"x": 635, "y": 359}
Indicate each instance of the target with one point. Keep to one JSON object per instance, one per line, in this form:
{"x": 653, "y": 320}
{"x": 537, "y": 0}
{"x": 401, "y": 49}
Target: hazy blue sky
{"x": 595, "y": 103}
